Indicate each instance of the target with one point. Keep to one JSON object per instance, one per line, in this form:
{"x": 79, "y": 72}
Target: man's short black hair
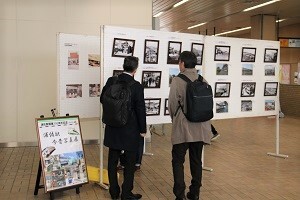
{"x": 130, "y": 63}
{"x": 189, "y": 59}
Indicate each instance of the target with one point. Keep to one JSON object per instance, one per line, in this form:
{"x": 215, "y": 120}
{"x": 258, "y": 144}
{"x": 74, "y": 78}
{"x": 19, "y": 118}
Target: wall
{"x": 28, "y": 59}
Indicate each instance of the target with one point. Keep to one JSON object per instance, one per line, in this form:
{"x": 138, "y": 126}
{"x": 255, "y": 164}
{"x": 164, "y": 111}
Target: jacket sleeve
{"x": 173, "y": 98}
{"x": 140, "y": 108}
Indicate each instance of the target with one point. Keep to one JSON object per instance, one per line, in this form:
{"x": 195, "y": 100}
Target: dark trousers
{"x": 178, "y": 158}
{"x": 129, "y": 163}
{"x": 213, "y": 130}
{"x": 139, "y": 154}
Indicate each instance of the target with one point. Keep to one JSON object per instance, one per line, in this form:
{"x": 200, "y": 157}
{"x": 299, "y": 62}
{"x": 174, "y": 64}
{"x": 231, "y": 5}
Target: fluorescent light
{"x": 158, "y": 14}
{"x": 179, "y": 3}
{"x": 260, "y": 5}
{"x": 233, "y": 31}
{"x": 280, "y": 20}
{"x": 196, "y": 25}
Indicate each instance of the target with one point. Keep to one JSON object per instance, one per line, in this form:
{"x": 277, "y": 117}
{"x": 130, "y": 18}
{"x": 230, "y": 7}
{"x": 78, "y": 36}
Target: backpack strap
{"x": 184, "y": 77}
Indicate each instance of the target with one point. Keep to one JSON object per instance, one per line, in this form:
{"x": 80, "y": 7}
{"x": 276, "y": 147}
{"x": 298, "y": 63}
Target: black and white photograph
{"x": 197, "y": 49}
{"x": 151, "y": 79}
{"x": 74, "y": 91}
{"x": 269, "y": 105}
{"x": 222, "y": 53}
{"x": 117, "y": 72}
{"x": 222, "y": 89}
{"x": 151, "y": 51}
{"x": 152, "y": 106}
{"x": 221, "y": 107}
{"x": 166, "y": 110}
{"x": 246, "y": 105}
{"x": 94, "y": 90}
{"x": 222, "y": 69}
{"x": 174, "y": 49}
{"x": 271, "y": 88}
{"x": 73, "y": 60}
{"x": 248, "y": 54}
{"x": 270, "y": 55}
{"x": 123, "y": 47}
{"x": 94, "y": 60}
{"x": 247, "y": 69}
{"x": 172, "y": 73}
{"x": 248, "y": 89}
{"x": 269, "y": 70}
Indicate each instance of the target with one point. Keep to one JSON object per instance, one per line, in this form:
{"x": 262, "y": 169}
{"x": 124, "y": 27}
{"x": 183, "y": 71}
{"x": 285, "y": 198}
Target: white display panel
{"x": 248, "y": 64}
{"x": 150, "y": 65}
{"x": 78, "y": 75}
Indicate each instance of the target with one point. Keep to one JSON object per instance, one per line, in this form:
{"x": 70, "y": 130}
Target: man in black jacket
{"x": 127, "y": 137}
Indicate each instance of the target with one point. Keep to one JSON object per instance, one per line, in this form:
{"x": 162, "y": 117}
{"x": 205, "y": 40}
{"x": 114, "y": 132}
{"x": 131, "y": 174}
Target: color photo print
{"x": 271, "y": 89}
{"x": 222, "y": 69}
{"x": 197, "y": 49}
{"x": 221, "y": 107}
{"x": 151, "y": 51}
{"x": 166, "y": 110}
{"x": 248, "y": 89}
{"x": 248, "y": 54}
{"x": 270, "y": 55}
{"x": 173, "y": 72}
{"x": 94, "y": 60}
{"x": 246, "y": 105}
{"x": 152, "y": 106}
{"x": 269, "y": 105}
{"x": 74, "y": 91}
{"x": 123, "y": 47}
{"x": 151, "y": 79}
{"x": 94, "y": 90}
{"x": 174, "y": 50}
{"x": 247, "y": 69}
{"x": 222, "y": 53}
{"x": 73, "y": 60}
{"x": 222, "y": 89}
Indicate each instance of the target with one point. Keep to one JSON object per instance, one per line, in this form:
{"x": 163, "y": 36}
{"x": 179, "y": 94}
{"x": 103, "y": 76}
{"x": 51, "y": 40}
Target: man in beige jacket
{"x": 185, "y": 134}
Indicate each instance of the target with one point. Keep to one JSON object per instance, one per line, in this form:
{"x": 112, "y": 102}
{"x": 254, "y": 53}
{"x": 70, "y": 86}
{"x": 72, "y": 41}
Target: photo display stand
{"x": 62, "y": 160}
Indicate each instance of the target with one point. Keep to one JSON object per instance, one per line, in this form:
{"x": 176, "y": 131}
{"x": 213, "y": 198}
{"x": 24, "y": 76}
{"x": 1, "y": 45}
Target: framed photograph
{"x": 152, "y": 106}
{"x": 221, "y": 107}
{"x": 269, "y": 70}
{"x": 151, "y": 79}
{"x": 61, "y": 152}
{"x": 222, "y": 69}
{"x": 172, "y": 73}
{"x": 247, "y": 69}
{"x": 246, "y": 105}
{"x": 94, "y": 60}
{"x": 117, "y": 72}
{"x": 222, "y": 89}
{"x": 197, "y": 49}
{"x": 248, "y": 54}
{"x": 151, "y": 51}
{"x": 122, "y": 47}
{"x": 94, "y": 90}
{"x": 166, "y": 110}
{"x": 174, "y": 49}
{"x": 269, "y": 105}
{"x": 74, "y": 91}
{"x": 248, "y": 89}
{"x": 271, "y": 88}
{"x": 270, "y": 55}
{"x": 222, "y": 53}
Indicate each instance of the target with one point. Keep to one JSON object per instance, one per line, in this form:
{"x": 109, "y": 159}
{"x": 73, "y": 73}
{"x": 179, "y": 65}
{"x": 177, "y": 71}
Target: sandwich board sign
{"x": 61, "y": 152}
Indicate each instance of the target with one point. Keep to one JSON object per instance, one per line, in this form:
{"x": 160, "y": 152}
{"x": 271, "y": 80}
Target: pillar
{"x": 263, "y": 27}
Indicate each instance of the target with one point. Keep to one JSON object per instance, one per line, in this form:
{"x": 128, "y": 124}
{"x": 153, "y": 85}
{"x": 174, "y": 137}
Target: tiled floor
{"x": 241, "y": 167}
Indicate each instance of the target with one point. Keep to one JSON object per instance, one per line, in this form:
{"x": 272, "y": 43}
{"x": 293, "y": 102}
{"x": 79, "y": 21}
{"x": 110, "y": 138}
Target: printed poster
{"x": 285, "y": 74}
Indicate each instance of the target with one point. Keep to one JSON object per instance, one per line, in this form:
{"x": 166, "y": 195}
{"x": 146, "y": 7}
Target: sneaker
{"x": 191, "y": 197}
{"x": 215, "y": 137}
{"x": 120, "y": 167}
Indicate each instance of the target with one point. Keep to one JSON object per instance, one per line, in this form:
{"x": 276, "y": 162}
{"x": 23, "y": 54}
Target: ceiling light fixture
{"x": 158, "y": 14}
{"x": 233, "y": 31}
{"x": 196, "y": 25}
{"x": 179, "y": 3}
{"x": 260, "y": 5}
{"x": 280, "y": 20}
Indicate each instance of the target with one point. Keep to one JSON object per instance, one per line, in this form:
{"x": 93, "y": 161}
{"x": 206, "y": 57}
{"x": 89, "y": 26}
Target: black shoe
{"x": 180, "y": 198}
{"x": 192, "y": 197}
{"x": 133, "y": 197}
{"x": 115, "y": 197}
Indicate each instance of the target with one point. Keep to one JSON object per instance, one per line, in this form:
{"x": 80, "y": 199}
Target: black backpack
{"x": 116, "y": 102}
{"x": 199, "y": 100}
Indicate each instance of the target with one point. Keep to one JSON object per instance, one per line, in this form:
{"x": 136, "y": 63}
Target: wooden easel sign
{"x": 61, "y": 151}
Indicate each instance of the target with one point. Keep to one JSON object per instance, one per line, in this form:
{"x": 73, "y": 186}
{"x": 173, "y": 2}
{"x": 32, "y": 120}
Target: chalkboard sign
{"x": 61, "y": 152}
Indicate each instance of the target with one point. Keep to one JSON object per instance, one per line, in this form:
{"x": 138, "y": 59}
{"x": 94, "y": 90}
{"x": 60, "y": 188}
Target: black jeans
{"x": 129, "y": 163}
{"x": 213, "y": 130}
{"x": 178, "y": 158}
{"x": 139, "y": 153}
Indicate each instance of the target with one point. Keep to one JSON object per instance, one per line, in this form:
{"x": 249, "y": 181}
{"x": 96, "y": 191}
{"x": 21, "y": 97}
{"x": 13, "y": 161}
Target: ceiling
{"x": 220, "y": 15}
